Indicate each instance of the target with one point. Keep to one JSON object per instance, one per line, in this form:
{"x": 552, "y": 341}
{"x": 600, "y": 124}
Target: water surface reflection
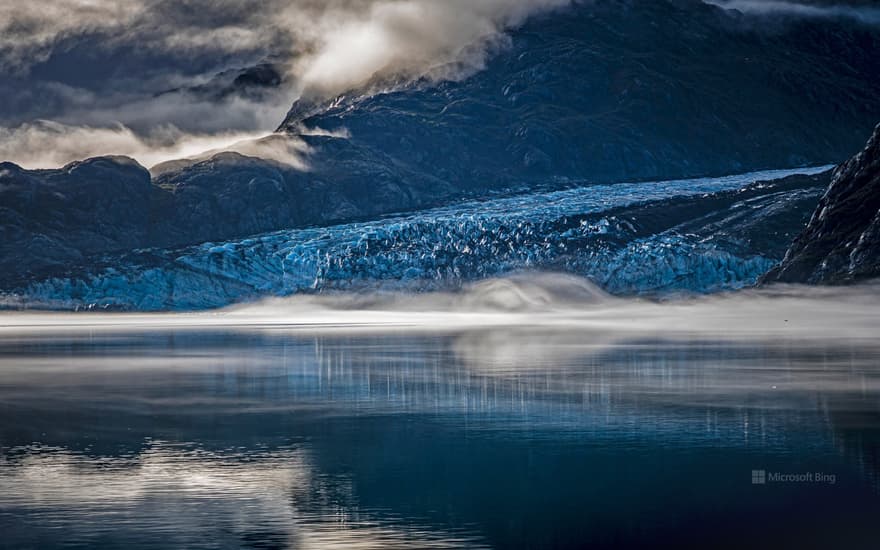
{"x": 492, "y": 437}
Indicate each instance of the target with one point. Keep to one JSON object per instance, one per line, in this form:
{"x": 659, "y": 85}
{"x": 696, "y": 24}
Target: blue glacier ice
{"x": 698, "y": 235}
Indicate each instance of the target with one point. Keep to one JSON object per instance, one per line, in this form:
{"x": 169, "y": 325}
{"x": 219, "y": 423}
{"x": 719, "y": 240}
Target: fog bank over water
{"x": 524, "y": 300}
{"x": 349, "y": 420}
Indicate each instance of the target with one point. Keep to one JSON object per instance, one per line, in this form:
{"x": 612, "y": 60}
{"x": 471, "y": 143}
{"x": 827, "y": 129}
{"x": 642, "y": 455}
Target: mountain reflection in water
{"x": 514, "y": 421}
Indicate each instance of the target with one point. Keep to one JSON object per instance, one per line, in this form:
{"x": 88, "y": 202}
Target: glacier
{"x": 696, "y": 236}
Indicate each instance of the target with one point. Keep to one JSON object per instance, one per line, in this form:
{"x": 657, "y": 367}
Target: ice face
{"x": 684, "y": 235}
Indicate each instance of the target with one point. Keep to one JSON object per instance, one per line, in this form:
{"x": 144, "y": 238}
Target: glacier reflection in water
{"x": 532, "y": 411}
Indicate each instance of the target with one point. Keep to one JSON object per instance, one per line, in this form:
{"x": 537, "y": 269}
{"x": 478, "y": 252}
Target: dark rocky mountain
{"x": 59, "y": 217}
{"x": 53, "y": 220}
{"x": 841, "y": 243}
{"x": 626, "y": 90}
{"x": 603, "y": 92}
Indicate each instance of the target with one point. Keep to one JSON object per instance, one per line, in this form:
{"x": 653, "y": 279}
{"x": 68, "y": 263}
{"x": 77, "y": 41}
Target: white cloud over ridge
{"x": 323, "y": 47}
{"x": 47, "y": 144}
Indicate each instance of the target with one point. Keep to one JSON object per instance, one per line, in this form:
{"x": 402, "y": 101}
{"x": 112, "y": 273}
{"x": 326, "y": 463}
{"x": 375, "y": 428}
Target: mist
{"x": 321, "y": 48}
{"x": 156, "y": 69}
{"x": 526, "y": 301}
{"x": 47, "y": 144}
{"x": 862, "y": 14}
{"x": 388, "y": 40}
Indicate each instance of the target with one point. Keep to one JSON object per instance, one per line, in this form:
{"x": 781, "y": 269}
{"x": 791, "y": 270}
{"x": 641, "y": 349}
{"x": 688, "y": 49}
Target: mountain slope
{"x": 604, "y": 92}
{"x": 53, "y": 220}
{"x": 654, "y": 237}
{"x": 841, "y": 243}
{"x": 619, "y": 91}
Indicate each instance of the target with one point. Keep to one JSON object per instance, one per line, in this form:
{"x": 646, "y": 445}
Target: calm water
{"x": 271, "y": 436}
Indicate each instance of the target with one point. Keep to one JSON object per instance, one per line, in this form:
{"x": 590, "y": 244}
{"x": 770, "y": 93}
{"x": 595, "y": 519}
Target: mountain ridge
{"x": 606, "y": 92}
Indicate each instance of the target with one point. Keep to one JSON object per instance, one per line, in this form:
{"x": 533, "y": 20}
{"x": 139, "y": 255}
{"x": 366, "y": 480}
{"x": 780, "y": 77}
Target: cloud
{"x": 862, "y": 14}
{"x": 46, "y": 144}
{"x": 30, "y": 32}
{"x": 326, "y": 45}
{"x": 129, "y": 53}
{"x": 406, "y": 40}
{"x": 191, "y": 113}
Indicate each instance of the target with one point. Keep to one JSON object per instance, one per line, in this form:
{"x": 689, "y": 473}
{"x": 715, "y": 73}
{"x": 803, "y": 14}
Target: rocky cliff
{"x": 841, "y": 243}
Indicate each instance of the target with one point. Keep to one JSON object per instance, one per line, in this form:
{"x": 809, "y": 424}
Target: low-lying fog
{"x": 554, "y": 301}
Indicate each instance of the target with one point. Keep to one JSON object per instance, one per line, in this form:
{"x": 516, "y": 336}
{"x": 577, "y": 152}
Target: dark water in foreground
{"x": 516, "y": 436}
